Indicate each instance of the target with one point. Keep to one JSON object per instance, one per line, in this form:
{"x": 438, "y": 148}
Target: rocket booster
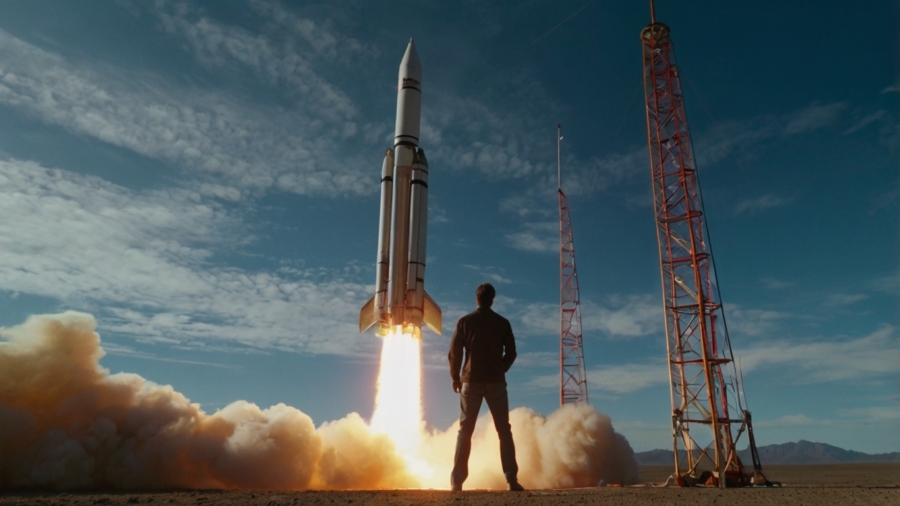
{"x": 400, "y": 299}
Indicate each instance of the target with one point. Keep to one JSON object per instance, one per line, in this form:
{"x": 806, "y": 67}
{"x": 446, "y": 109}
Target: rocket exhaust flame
{"x": 67, "y": 423}
{"x": 398, "y": 402}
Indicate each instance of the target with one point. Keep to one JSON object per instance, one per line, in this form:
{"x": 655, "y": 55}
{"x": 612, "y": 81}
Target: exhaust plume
{"x": 67, "y": 423}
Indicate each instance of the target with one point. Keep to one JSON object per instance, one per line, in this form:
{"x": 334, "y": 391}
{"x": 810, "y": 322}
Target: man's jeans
{"x": 469, "y": 405}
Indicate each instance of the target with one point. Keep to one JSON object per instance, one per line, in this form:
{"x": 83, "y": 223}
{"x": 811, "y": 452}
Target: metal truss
{"x": 705, "y": 404}
{"x": 572, "y": 378}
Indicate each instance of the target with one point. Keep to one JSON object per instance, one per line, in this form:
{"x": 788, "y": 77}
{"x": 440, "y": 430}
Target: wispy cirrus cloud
{"x": 813, "y": 117}
{"x": 225, "y": 144}
{"x": 844, "y": 417}
{"x": 794, "y": 420}
{"x": 844, "y": 299}
{"x": 524, "y": 206}
{"x": 762, "y": 203}
{"x": 326, "y": 42}
{"x": 489, "y": 273}
{"x": 542, "y": 237}
{"x": 289, "y": 58}
{"x": 469, "y": 134}
{"x": 613, "y": 380}
{"x": 538, "y": 359}
{"x": 866, "y": 121}
{"x": 823, "y": 360}
{"x": 733, "y": 138}
{"x": 889, "y": 283}
{"x": 143, "y": 261}
{"x": 747, "y": 321}
{"x": 776, "y": 284}
{"x": 112, "y": 348}
{"x": 619, "y": 316}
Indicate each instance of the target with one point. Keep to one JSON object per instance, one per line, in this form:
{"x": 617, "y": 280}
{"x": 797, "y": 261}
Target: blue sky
{"x": 203, "y": 178}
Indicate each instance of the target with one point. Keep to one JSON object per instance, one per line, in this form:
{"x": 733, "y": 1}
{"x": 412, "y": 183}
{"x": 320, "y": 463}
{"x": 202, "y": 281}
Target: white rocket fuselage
{"x": 400, "y": 299}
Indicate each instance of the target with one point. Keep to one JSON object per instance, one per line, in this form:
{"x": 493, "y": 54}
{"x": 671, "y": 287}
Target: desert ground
{"x": 844, "y": 484}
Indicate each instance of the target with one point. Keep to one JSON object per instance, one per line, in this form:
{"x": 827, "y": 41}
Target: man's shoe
{"x": 515, "y": 487}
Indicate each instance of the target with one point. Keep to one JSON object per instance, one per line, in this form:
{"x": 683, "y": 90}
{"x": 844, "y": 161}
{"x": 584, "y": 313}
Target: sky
{"x": 202, "y": 177}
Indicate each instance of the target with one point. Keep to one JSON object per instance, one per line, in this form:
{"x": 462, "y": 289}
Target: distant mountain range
{"x": 801, "y": 452}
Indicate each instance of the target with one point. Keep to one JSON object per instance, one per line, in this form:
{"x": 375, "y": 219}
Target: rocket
{"x": 400, "y": 302}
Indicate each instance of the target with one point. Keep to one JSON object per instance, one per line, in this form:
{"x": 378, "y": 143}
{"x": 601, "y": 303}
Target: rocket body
{"x": 400, "y": 299}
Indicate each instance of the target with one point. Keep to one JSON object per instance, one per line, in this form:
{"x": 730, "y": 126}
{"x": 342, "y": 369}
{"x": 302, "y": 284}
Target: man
{"x": 490, "y": 349}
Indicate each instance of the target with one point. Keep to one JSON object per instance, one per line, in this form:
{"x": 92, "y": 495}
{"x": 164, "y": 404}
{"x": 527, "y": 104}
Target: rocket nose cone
{"x": 410, "y": 66}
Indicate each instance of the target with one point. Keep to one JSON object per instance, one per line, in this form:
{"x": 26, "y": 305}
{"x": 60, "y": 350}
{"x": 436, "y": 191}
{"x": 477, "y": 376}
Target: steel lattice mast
{"x": 572, "y": 378}
{"x": 705, "y": 405}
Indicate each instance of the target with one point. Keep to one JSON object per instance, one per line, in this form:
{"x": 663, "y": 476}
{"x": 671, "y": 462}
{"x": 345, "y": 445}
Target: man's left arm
{"x": 509, "y": 348}
{"x": 456, "y": 357}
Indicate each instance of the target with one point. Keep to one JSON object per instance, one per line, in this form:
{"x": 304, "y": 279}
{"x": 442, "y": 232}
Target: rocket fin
{"x": 367, "y": 316}
{"x": 431, "y": 314}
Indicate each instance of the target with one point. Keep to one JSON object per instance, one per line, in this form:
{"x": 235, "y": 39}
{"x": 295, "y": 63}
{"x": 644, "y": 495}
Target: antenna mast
{"x": 558, "y": 164}
{"x": 572, "y": 377}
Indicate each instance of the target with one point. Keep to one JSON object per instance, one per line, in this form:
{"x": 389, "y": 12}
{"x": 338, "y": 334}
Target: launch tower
{"x": 708, "y": 416}
{"x": 572, "y": 378}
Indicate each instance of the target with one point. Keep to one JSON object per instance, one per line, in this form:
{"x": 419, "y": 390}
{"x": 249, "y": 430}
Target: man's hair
{"x": 484, "y": 294}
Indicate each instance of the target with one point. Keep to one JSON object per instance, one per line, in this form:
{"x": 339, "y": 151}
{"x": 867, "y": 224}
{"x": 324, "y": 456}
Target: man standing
{"x": 490, "y": 350}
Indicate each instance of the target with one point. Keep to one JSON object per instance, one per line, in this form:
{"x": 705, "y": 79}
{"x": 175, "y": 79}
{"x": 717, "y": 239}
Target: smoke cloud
{"x": 67, "y": 423}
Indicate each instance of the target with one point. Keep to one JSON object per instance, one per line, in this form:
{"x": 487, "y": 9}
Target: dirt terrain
{"x": 869, "y": 484}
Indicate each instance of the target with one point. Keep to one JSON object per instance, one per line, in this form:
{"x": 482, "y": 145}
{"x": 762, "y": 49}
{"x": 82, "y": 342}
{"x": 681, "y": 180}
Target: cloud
{"x": 776, "y": 284}
{"x": 144, "y": 260}
{"x": 625, "y": 315}
{"x": 820, "y": 360}
{"x": 128, "y": 351}
{"x": 891, "y": 89}
{"x": 436, "y": 213}
{"x": 730, "y": 138}
{"x": 617, "y": 316}
{"x": 813, "y": 117}
{"x": 524, "y": 206}
{"x": 628, "y": 378}
{"x": 326, "y": 43}
{"x": 745, "y": 321}
{"x": 848, "y": 417}
{"x": 844, "y": 299}
{"x": 760, "y": 204}
{"x": 538, "y": 359}
{"x": 614, "y": 379}
{"x": 800, "y": 420}
{"x": 889, "y": 283}
{"x": 229, "y": 145}
{"x": 600, "y": 173}
{"x": 865, "y": 121}
{"x": 874, "y": 414}
{"x": 489, "y": 274}
{"x": 542, "y": 237}
{"x": 468, "y": 134}
{"x": 284, "y": 61}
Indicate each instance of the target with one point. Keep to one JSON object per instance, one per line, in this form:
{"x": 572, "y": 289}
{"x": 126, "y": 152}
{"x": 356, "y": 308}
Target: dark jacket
{"x": 489, "y": 345}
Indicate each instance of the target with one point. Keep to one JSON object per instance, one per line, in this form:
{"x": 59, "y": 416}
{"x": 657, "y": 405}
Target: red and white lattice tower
{"x": 706, "y": 407}
{"x": 572, "y": 378}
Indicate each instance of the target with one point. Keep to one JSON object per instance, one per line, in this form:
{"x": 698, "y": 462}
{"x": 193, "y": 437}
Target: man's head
{"x": 484, "y": 294}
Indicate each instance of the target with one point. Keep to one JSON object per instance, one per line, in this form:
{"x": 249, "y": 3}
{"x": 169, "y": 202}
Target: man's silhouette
{"x": 484, "y": 348}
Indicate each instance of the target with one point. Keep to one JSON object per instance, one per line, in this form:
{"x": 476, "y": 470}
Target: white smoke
{"x": 66, "y": 423}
